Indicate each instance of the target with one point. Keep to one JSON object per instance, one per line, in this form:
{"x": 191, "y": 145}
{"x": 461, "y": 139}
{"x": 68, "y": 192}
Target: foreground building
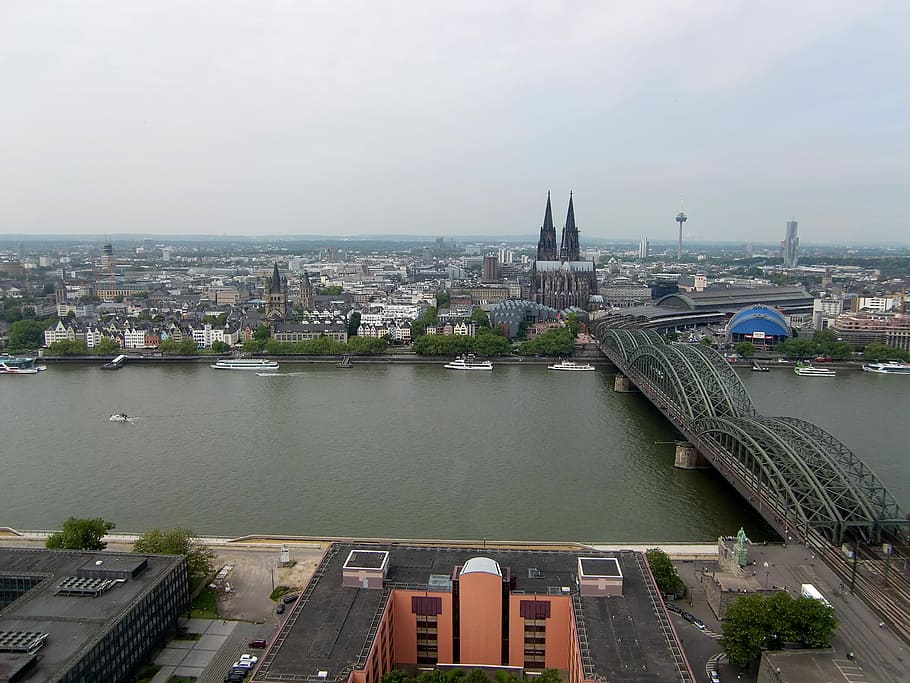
{"x": 73, "y": 617}
{"x": 373, "y": 608}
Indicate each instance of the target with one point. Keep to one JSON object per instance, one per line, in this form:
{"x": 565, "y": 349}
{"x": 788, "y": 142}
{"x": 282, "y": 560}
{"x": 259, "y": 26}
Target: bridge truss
{"x": 805, "y": 477}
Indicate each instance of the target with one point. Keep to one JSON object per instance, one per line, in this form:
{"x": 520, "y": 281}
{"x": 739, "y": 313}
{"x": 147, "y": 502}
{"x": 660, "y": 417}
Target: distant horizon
{"x": 488, "y": 239}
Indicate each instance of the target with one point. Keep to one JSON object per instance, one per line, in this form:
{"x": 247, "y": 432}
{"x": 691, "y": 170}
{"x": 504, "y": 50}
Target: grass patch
{"x": 279, "y": 591}
{"x": 205, "y": 605}
{"x": 146, "y": 673}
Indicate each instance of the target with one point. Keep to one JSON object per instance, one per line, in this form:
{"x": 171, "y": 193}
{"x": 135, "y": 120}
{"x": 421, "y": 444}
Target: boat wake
{"x": 279, "y": 374}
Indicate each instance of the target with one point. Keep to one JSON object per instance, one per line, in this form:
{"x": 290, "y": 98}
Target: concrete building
{"x": 861, "y": 329}
{"x": 373, "y": 608}
{"x": 644, "y": 249}
{"x": 73, "y": 617}
{"x": 491, "y": 271}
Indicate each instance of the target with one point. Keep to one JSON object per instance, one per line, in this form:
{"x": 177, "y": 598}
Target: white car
{"x": 243, "y": 664}
{"x": 714, "y": 677}
{"x": 249, "y": 658}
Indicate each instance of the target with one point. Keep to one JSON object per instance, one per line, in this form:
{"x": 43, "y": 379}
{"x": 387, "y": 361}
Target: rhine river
{"x": 399, "y": 450}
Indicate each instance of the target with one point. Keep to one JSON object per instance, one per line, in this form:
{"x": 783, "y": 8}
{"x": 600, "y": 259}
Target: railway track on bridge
{"x": 802, "y": 480}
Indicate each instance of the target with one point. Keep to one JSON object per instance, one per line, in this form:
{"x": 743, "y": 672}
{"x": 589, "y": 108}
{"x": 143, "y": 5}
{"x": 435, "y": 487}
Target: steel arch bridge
{"x": 802, "y": 477}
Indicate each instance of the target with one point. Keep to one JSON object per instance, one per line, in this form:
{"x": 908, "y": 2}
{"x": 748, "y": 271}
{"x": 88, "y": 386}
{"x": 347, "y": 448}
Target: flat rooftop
{"x": 328, "y": 628}
{"x": 72, "y": 622}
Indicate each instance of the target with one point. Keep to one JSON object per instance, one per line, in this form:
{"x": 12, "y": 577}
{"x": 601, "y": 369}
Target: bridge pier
{"x": 623, "y": 385}
{"x": 688, "y": 457}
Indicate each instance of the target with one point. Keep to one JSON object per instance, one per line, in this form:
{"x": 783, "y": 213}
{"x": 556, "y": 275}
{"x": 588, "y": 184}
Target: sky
{"x": 296, "y": 117}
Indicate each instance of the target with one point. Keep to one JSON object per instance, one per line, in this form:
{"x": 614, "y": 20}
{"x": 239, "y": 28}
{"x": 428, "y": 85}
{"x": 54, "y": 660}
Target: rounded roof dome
{"x": 483, "y": 565}
{"x": 759, "y": 319}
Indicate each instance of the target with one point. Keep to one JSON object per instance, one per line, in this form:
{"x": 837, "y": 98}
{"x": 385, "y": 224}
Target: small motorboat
{"x": 119, "y": 417}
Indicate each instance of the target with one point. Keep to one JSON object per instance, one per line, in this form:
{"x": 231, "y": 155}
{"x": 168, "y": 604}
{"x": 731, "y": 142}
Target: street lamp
{"x": 767, "y": 571}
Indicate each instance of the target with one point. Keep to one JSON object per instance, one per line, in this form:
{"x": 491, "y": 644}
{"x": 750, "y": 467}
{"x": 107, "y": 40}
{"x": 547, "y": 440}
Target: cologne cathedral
{"x": 559, "y": 278}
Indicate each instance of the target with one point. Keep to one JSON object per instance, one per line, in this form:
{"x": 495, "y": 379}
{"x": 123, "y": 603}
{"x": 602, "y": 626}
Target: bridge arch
{"x": 815, "y": 480}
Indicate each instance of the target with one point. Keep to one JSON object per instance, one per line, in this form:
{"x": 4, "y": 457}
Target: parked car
{"x": 714, "y": 677}
{"x": 259, "y": 643}
{"x": 280, "y": 608}
{"x": 234, "y": 677}
{"x": 288, "y": 599}
{"x": 674, "y": 608}
{"x": 244, "y": 664}
{"x": 248, "y": 658}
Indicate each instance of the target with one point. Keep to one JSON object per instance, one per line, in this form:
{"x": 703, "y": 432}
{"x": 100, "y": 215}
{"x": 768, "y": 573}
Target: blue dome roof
{"x": 759, "y": 319}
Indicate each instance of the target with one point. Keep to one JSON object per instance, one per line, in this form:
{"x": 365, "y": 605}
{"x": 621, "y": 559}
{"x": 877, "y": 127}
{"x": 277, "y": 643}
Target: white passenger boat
{"x": 259, "y": 364}
{"x": 19, "y": 366}
{"x": 469, "y": 362}
{"x": 890, "y": 368}
{"x": 812, "y": 371}
{"x": 571, "y": 366}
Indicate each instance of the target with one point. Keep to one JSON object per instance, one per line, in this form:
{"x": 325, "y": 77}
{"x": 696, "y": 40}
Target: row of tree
{"x": 555, "y": 342}
{"x": 486, "y": 343}
{"x": 318, "y": 346}
{"x": 87, "y": 534}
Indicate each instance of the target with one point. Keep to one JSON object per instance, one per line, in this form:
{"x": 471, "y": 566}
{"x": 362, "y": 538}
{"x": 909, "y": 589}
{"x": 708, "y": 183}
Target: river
{"x": 401, "y": 450}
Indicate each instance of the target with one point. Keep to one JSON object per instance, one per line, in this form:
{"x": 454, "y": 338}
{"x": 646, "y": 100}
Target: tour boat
{"x": 19, "y": 366}
{"x": 245, "y": 364}
{"x": 469, "y": 362}
{"x": 571, "y": 366}
{"x": 812, "y": 371}
{"x": 890, "y": 368}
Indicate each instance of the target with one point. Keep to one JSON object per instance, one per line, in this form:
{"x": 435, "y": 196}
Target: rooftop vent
{"x": 22, "y": 641}
{"x": 82, "y": 587}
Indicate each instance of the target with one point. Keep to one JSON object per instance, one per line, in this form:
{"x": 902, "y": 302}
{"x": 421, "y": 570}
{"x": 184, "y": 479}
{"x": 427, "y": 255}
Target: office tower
{"x": 791, "y": 246}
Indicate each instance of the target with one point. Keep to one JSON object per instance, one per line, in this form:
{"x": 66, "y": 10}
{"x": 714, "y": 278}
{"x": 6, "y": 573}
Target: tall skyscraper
{"x": 491, "y": 270}
{"x": 644, "y": 248}
{"x": 791, "y": 246}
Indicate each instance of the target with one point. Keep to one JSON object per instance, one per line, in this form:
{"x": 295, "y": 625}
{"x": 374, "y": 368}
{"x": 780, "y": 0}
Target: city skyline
{"x": 345, "y": 119}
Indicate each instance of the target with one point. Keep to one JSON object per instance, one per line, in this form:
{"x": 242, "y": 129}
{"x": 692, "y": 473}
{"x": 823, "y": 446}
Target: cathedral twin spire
{"x": 569, "y": 248}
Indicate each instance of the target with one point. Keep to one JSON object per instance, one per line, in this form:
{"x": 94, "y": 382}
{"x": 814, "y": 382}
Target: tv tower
{"x": 680, "y": 218}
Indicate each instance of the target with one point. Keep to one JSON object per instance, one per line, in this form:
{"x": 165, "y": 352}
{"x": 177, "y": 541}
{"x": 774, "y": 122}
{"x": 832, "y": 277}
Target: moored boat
{"x": 889, "y": 368}
{"x": 19, "y": 366}
{"x": 469, "y": 362}
{"x": 571, "y": 366}
{"x": 259, "y": 364}
{"x": 345, "y": 362}
{"x": 812, "y": 371}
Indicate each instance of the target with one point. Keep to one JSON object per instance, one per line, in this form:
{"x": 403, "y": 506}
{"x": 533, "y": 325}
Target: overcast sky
{"x": 249, "y": 117}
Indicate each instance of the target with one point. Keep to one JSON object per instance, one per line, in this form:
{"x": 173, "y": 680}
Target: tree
{"x": 187, "y": 347}
{"x": 177, "y": 541}
{"x": 262, "y": 333}
{"x": 107, "y": 346}
{"x": 442, "y": 299}
{"x": 220, "y": 347}
{"x": 705, "y": 341}
{"x": 745, "y": 349}
{"x": 479, "y": 316}
{"x": 665, "y": 574}
{"x": 26, "y": 334}
{"x": 419, "y": 326}
{"x": 168, "y": 346}
{"x": 353, "y": 323}
{"x": 753, "y": 623}
{"x": 80, "y": 534}
{"x": 67, "y": 347}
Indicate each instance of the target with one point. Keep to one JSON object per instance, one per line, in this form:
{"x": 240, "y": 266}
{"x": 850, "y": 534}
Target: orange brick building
{"x": 370, "y": 609}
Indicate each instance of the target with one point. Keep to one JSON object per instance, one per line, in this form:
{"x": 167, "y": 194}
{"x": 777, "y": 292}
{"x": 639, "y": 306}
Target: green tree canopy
{"x": 745, "y": 349}
{"x": 262, "y": 332}
{"x": 187, "y": 347}
{"x": 177, "y": 541}
{"x": 884, "y": 352}
{"x": 556, "y": 342}
{"x": 67, "y": 347}
{"x": 753, "y": 623}
{"x": 80, "y": 534}
{"x": 419, "y": 326}
{"x": 353, "y": 323}
{"x": 220, "y": 347}
{"x": 168, "y": 346}
{"x": 665, "y": 574}
{"x": 106, "y": 347}
{"x": 26, "y": 334}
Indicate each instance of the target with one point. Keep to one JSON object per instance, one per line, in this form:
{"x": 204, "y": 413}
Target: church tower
{"x": 276, "y": 305}
{"x": 546, "y": 246}
{"x": 306, "y": 292}
{"x": 569, "y": 249}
